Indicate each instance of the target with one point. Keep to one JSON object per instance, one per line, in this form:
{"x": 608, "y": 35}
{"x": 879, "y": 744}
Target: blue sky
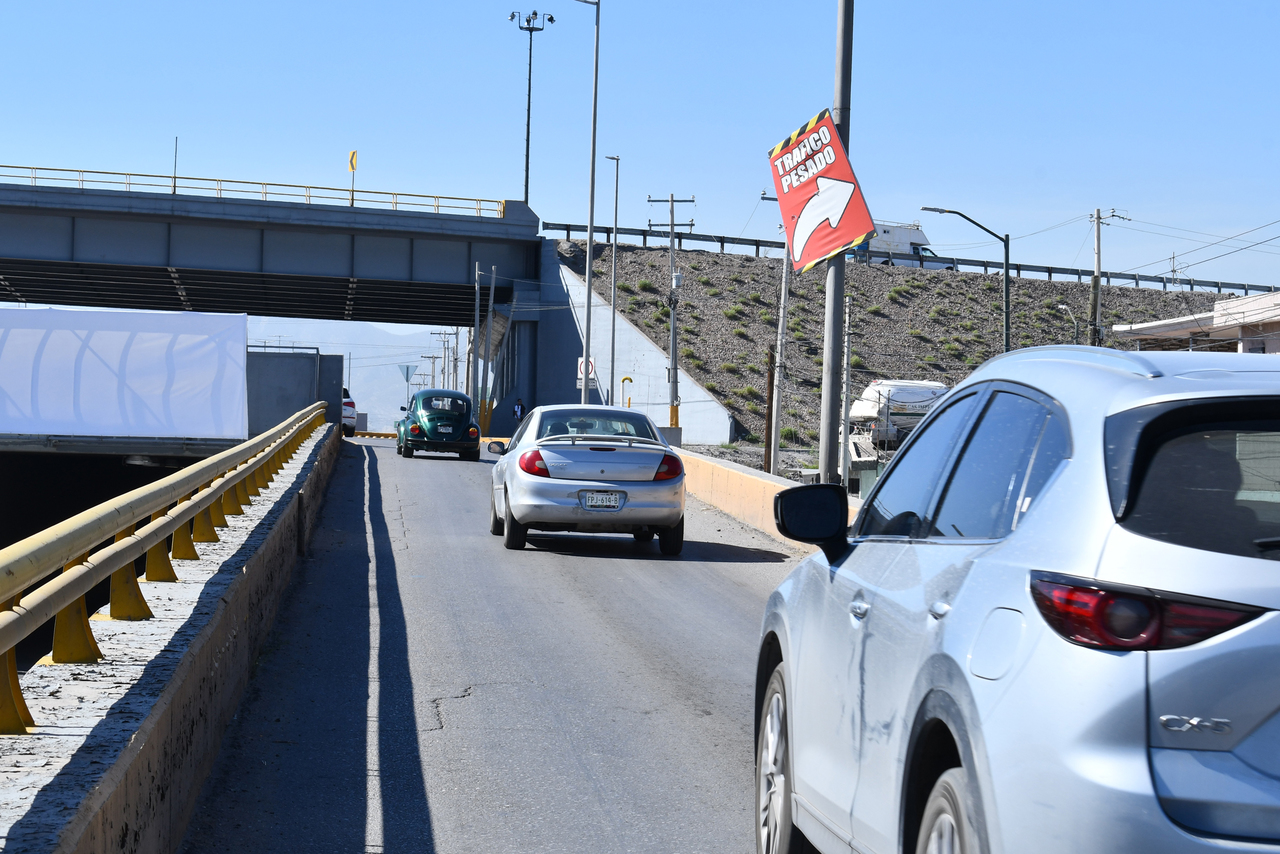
{"x": 1023, "y": 115}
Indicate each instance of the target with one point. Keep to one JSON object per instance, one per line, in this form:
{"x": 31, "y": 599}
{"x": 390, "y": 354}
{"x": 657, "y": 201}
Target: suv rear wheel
{"x": 944, "y": 828}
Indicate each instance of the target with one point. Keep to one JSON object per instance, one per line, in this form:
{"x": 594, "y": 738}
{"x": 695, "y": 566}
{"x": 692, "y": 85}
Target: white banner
{"x": 74, "y": 372}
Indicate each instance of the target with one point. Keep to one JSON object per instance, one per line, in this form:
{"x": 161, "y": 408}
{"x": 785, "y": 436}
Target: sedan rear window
{"x": 1206, "y": 478}
{"x": 586, "y": 422}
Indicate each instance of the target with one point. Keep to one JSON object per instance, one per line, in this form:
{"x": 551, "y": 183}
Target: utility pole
{"x": 457, "y": 339}
{"x": 673, "y": 298}
{"x": 488, "y": 340}
{"x": 770, "y": 425}
{"x": 475, "y": 345}
{"x": 1095, "y": 283}
{"x": 613, "y": 281}
{"x": 829, "y": 429}
{"x": 591, "y": 212}
{"x": 844, "y": 397}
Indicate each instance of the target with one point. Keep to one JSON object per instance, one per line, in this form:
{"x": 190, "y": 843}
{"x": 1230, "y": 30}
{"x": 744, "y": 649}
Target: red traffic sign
{"x": 821, "y": 203}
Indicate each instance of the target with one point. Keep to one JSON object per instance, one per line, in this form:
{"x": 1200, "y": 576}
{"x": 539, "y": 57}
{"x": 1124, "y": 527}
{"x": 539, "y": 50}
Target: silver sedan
{"x": 592, "y": 469}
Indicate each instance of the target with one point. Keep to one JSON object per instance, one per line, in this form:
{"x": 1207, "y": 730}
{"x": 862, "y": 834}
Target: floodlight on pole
{"x": 1076, "y": 323}
{"x": 530, "y": 25}
{"x": 1003, "y": 239}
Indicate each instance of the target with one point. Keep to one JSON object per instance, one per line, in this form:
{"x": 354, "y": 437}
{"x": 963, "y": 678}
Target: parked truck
{"x": 908, "y": 245}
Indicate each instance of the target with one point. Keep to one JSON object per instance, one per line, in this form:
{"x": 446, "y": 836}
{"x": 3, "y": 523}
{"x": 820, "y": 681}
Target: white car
{"x": 592, "y": 469}
{"x": 1053, "y": 627}
{"x": 348, "y": 415}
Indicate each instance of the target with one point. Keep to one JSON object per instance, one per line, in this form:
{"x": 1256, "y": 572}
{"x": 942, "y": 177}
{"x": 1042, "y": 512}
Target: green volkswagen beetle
{"x": 439, "y": 420}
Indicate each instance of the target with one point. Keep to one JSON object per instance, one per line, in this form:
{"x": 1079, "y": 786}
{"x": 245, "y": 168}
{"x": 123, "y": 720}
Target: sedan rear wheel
{"x": 943, "y": 830}
{"x": 671, "y": 540}
{"x": 406, "y": 451}
{"x": 496, "y": 522}
{"x": 775, "y": 834}
{"x": 513, "y": 533}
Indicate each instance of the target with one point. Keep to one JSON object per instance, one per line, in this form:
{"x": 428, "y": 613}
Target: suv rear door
{"x": 1199, "y": 516}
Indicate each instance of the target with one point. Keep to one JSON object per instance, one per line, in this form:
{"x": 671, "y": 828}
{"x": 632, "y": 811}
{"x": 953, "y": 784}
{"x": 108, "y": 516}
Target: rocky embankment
{"x": 907, "y": 323}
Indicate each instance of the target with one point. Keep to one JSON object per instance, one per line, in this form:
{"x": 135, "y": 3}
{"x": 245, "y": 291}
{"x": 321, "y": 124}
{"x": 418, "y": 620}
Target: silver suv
{"x": 1050, "y": 628}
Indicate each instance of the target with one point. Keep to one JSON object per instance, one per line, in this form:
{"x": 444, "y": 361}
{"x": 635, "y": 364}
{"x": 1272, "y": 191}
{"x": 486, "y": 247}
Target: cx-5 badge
{"x": 1180, "y": 723}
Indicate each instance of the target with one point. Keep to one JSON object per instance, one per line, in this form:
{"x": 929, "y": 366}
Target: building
{"x": 1237, "y": 325}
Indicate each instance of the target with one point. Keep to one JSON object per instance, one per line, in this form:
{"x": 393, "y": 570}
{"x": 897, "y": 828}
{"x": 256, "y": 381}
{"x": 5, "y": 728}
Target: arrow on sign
{"x": 826, "y": 205}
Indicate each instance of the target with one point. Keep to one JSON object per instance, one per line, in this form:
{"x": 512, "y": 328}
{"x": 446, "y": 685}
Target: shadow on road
{"x": 626, "y": 548}
{"x": 406, "y": 814}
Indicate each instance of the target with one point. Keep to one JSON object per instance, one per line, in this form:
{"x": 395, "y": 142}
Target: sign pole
{"x": 829, "y": 428}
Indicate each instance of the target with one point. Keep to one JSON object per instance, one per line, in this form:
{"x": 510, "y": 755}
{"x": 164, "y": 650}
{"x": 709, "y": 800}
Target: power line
{"x": 1215, "y": 243}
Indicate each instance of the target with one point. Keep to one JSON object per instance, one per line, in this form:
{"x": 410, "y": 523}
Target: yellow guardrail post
{"x": 242, "y": 493}
{"x": 73, "y": 641}
{"x": 230, "y": 504}
{"x": 203, "y": 531}
{"x": 159, "y": 567}
{"x": 183, "y": 547}
{"x": 216, "y": 515}
{"x": 14, "y": 715}
{"x": 126, "y": 596}
{"x": 260, "y": 477}
{"x": 249, "y": 484}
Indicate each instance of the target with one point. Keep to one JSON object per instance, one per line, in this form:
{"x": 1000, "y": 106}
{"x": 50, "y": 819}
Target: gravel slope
{"x": 907, "y": 323}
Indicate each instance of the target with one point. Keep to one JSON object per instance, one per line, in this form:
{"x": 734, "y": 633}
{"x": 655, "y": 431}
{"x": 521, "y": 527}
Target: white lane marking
{"x": 373, "y": 780}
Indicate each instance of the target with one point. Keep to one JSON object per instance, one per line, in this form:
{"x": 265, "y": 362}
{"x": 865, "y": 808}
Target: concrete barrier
{"x": 745, "y": 494}
{"x": 144, "y": 801}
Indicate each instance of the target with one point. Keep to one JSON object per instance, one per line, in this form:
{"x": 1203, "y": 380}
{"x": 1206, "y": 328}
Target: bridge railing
{"x": 266, "y": 191}
{"x": 903, "y": 259}
{"x": 189, "y": 506}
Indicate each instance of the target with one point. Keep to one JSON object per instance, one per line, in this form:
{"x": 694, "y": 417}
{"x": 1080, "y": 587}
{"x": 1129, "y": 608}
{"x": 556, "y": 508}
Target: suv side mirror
{"x": 818, "y": 514}
{"x": 497, "y": 448}
{"x": 404, "y": 409}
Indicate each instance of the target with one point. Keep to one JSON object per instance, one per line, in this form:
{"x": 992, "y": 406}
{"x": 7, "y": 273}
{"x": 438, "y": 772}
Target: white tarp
{"x": 72, "y": 372}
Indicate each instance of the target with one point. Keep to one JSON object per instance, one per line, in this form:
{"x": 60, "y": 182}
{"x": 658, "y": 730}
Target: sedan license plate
{"x": 444, "y": 428}
{"x": 602, "y": 500}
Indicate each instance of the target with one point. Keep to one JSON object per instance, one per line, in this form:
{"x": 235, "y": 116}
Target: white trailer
{"x": 906, "y": 239}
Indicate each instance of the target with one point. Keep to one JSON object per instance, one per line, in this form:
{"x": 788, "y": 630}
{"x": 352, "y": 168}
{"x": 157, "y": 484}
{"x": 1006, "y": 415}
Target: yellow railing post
{"x": 14, "y": 715}
{"x": 242, "y": 493}
{"x": 183, "y": 547}
{"x": 230, "y": 504}
{"x": 126, "y": 596}
{"x": 260, "y": 477}
{"x": 203, "y": 531}
{"x": 73, "y": 641}
{"x": 250, "y": 484}
{"x": 159, "y": 567}
{"x": 216, "y": 515}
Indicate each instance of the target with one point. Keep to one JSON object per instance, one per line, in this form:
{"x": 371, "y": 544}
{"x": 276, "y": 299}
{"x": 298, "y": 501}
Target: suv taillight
{"x": 669, "y": 467}
{"x": 532, "y": 463}
{"x": 1111, "y": 616}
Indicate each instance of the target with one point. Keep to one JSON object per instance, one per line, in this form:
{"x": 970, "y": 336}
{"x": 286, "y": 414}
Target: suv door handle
{"x": 859, "y": 608}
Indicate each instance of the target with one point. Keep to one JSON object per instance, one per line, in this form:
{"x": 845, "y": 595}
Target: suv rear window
{"x": 1205, "y": 476}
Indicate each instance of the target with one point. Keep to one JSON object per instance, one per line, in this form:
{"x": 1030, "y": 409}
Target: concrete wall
{"x": 144, "y": 801}
{"x": 330, "y": 390}
{"x": 279, "y": 385}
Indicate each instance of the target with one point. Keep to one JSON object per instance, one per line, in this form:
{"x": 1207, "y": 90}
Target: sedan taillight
{"x": 531, "y": 462}
{"x": 669, "y": 467}
{"x": 1106, "y": 616}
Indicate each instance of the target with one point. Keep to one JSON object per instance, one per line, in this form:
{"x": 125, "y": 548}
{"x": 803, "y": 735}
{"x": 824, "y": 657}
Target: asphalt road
{"x": 427, "y": 690}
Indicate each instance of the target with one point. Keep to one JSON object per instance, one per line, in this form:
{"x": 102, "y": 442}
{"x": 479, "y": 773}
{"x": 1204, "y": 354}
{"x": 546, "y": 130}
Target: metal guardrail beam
{"x": 904, "y": 260}
{"x": 139, "y": 522}
{"x": 259, "y": 190}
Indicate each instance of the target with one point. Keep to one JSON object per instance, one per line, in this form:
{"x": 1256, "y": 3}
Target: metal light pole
{"x": 775, "y": 403}
{"x": 833, "y": 316}
{"x": 1005, "y": 241}
{"x": 613, "y": 280}
{"x": 1075, "y": 322}
{"x": 530, "y": 26}
{"x": 673, "y": 300}
{"x": 591, "y": 212}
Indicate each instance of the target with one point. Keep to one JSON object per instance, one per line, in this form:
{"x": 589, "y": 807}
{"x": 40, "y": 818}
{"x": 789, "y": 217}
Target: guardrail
{"x": 263, "y": 190}
{"x": 189, "y": 505}
{"x": 903, "y": 259}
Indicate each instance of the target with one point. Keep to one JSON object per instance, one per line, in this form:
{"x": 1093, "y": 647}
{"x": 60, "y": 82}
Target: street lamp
{"x": 613, "y": 278}
{"x": 530, "y": 26}
{"x": 1005, "y": 241}
{"x": 1067, "y": 308}
{"x": 591, "y": 212}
